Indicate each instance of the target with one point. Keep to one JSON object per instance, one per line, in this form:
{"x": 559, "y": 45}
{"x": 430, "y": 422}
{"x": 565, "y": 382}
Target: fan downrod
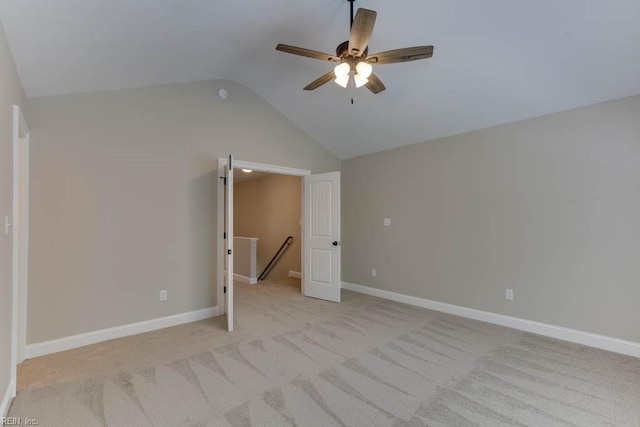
{"x": 351, "y": 22}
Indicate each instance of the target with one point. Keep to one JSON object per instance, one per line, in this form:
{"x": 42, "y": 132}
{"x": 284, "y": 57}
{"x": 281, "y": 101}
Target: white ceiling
{"x": 495, "y": 61}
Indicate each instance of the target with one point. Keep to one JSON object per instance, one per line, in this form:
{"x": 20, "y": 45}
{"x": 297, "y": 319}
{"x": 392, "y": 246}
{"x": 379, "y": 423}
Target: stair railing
{"x": 275, "y": 258}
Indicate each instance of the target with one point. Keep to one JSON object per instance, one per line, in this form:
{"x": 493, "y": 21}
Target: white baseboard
{"x": 9, "y": 394}
{"x": 80, "y": 340}
{"x": 295, "y": 274}
{"x": 245, "y": 279}
{"x": 616, "y": 345}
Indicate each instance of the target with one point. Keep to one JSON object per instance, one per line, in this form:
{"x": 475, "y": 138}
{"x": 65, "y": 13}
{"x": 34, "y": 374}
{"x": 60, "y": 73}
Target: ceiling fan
{"x": 355, "y": 65}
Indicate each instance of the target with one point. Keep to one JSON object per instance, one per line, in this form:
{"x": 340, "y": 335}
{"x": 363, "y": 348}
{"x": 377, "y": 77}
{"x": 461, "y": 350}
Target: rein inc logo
{"x": 18, "y": 421}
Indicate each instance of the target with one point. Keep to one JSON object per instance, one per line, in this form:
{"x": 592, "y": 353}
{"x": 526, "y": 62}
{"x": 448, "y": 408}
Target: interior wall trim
{"x": 80, "y": 340}
{"x": 9, "y": 394}
{"x": 245, "y": 279}
{"x": 603, "y": 342}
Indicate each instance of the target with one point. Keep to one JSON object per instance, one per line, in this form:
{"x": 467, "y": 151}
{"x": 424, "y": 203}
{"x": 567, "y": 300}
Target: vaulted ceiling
{"x": 495, "y": 61}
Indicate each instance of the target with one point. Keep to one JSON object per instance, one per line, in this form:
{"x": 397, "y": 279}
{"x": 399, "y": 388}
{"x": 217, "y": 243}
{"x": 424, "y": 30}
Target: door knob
{"x": 335, "y": 243}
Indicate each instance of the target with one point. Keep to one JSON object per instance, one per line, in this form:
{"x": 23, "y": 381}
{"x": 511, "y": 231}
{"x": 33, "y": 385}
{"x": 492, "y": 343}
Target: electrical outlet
{"x": 373, "y": 272}
{"x": 509, "y": 294}
{"x": 163, "y": 295}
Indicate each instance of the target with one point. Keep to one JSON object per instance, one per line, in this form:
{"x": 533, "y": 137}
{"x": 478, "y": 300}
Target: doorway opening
{"x": 224, "y": 245}
{"x": 267, "y": 227}
{"x": 320, "y": 238}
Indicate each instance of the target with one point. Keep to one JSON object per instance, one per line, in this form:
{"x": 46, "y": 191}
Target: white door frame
{"x": 259, "y": 167}
{"x": 228, "y": 247}
{"x": 20, "y": 243}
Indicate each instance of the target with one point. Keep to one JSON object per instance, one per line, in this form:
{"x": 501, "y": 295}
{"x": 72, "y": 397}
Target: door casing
{"x": 20, "y": 246}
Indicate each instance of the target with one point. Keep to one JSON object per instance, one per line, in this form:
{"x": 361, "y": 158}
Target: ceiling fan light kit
{"x": 360, "y": 80}
{"x": 355, "y": 65}
{"x": 342, "y": 73}
{"x": 364, "y": 69}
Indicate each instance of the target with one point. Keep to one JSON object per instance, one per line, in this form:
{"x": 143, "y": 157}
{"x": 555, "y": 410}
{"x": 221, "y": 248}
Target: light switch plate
{"x": 387, "y": 222}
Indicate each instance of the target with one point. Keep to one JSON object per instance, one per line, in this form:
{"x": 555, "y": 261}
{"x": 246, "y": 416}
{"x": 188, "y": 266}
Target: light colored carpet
{"x": 305, "y": 362}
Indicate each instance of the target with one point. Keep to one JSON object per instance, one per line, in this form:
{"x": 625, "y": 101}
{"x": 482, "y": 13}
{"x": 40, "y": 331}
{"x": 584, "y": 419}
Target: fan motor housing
{"x": 342, "y": 51}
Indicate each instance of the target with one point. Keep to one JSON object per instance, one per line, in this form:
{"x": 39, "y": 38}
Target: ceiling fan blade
{"x": 361, "y": 31}
{"x": 401, "y": 55}
{"x": 374, "y": 84}
{"x": 307, "y": 52}
{"x": 320, "y": 81}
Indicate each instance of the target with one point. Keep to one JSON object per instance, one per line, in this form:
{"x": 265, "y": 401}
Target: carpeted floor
{"x": 305, "y": 362}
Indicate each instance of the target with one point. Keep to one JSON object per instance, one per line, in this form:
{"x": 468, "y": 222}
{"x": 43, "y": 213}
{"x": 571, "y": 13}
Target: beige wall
{"x": 123, "y": 198}
{"x": 10, "y": 93}
{"x": 245, "y": 257}
{"x": 270, "y": 208}
{"x": 549, "y": 207}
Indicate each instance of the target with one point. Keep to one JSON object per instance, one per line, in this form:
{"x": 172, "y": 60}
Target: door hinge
{"x": 225, "y": 289}
{"x": 228, "y": 251}
{"x": 224, "y": 235}
{"x": 224, "y": 178}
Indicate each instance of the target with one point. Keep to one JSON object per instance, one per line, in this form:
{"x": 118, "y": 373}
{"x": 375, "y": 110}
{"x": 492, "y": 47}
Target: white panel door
{"x": 322, "y": 236}
{"x": 228, "y": 247}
